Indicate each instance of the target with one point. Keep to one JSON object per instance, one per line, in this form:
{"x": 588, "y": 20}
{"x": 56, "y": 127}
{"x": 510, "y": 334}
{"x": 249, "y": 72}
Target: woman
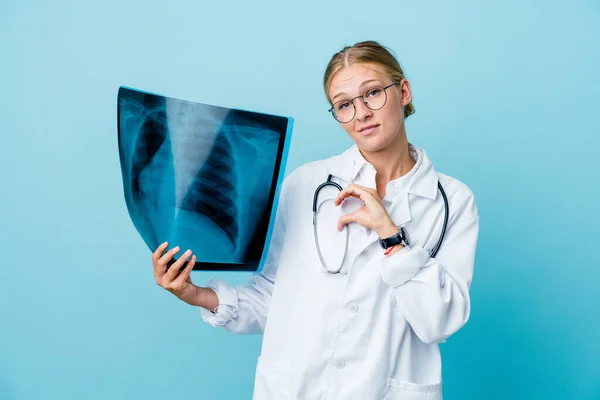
{"x": 371, "y": 331}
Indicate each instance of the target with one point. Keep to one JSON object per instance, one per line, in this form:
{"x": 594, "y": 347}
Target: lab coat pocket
{"x": 402, "y": 390}
{"x": 272, "y": 380}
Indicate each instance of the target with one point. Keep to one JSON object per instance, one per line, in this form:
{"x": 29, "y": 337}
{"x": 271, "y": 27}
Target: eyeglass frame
{"x": 351, "y": 101}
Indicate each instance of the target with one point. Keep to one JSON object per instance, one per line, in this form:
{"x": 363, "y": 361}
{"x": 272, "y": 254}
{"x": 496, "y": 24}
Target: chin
{"x": 371, "y": 144}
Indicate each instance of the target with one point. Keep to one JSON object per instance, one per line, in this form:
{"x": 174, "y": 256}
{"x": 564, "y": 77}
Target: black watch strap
{"x": 399, "y": 238}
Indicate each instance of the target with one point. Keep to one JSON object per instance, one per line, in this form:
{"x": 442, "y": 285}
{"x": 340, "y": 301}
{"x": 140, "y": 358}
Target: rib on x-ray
{"x": 201, "y": 177}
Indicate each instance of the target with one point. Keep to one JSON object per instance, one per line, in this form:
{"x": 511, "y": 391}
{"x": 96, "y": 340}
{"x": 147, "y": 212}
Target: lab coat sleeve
{"x": 433, "y": 293}
{"x": 243, "y": 308}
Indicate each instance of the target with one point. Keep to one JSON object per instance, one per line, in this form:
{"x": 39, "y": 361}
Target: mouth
{"x": 367, "y": 130}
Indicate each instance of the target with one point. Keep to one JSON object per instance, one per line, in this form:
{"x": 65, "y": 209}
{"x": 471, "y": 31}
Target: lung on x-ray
{"x": 202, "y": 177}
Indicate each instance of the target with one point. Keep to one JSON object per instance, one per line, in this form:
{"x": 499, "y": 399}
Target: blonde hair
{"x": 367, "y": 52}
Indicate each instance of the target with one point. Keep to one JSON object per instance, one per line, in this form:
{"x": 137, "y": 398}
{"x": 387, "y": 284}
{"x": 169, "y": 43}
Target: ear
{"x": 405, "y": 92}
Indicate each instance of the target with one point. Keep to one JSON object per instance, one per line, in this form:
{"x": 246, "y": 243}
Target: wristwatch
{"x": 399, "y": 238}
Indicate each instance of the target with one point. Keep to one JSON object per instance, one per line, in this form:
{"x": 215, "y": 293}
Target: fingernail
{"x": 188, "y": 252}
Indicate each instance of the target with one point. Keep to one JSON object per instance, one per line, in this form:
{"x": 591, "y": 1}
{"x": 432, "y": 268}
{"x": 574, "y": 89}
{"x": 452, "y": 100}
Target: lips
{"x": 367, "y": 130}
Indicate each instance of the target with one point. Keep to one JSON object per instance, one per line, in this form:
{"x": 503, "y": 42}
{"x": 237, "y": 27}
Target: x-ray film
{"x": 202, "y": 177}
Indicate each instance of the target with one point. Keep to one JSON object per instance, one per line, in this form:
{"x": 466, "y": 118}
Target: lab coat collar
{"x": 425, "y": 180}
{"x": 423, "y": 183}
{"x": 346, "y": 165}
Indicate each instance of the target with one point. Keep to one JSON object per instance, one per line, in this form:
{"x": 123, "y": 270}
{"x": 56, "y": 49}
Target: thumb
{"x": 346, "y": 219}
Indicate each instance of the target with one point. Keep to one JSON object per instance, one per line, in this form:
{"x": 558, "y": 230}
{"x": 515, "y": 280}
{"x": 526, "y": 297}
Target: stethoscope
{"x": 329, "y": 182}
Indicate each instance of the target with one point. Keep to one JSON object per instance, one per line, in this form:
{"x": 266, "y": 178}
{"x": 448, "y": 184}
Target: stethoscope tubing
{"x": 329, "y": 182}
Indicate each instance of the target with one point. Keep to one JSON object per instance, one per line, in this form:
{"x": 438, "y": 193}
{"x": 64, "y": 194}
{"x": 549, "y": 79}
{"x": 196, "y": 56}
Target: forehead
{"x": 349, "y": 78}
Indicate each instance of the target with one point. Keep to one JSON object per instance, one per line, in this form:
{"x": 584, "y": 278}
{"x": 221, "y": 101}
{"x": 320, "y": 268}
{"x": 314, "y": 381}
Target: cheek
{"x": 393, "y": 116}
{"x": 349, "y": 128}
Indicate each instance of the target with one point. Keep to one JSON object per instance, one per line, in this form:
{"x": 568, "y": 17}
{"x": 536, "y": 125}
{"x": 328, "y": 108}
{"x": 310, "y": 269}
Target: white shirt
{"x": 371, "y": 332}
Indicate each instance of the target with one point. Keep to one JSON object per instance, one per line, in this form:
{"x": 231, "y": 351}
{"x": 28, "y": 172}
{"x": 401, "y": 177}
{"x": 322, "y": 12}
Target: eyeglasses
{"x": 374, "y": 98}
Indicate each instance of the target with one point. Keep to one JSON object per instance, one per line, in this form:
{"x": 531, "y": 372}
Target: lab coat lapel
{"x": 399, "y": 209}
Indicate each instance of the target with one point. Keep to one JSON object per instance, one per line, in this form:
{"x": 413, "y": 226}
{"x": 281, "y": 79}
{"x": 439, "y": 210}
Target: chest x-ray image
{"x": 202, "y": 177}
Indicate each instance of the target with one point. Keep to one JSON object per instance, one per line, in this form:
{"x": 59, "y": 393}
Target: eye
{"x": 343, "y": 106}
{"x": 373, "y": 92}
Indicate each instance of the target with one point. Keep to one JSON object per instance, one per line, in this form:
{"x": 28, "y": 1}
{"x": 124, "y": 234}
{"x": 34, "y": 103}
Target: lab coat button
{"x": 339, "y": 363}
{"x": 352, "y": 307}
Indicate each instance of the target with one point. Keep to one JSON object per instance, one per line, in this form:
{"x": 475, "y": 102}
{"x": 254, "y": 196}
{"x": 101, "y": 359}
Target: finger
{"x": 159, "y": 250}
{"x": 352, "y": 190}
{"x": 168, "y": 255}
{"x": 369, "y": 196}
{"x": 362, "y": 193}
{"x": 347, "y": 218}
{"x": 343, "y": 194}
{"x": 185, "y": 274}
{"x": 159, "y": 268}
{"x": 176, "y": 266}
{"x": 161, "y": 265}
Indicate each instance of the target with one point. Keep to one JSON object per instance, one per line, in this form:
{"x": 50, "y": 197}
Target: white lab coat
{"x": 373, "y": 331}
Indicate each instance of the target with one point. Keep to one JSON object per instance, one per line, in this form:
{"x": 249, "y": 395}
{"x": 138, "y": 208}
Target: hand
{"x": 180, "y": 284}
{"x": 372, "y": 214}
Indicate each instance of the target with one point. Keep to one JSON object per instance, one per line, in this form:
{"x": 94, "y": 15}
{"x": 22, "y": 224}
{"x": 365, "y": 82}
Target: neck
{"x": 391, "y": 162}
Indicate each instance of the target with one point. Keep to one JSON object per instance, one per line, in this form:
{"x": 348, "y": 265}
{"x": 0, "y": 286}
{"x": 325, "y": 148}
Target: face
{"x": 371, "y": 130}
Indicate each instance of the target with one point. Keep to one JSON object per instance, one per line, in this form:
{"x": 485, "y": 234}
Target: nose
{"x": 362, "y": 111}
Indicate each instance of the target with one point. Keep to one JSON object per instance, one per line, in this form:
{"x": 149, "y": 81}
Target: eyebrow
{"x": 361, "y": 85}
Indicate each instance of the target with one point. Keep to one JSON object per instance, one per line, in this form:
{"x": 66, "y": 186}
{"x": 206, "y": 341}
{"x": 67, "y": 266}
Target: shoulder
{"x": 300, "y": 182}
{"x": 461, "y": 199}
{"x": 299, "y": 185}
{"x": 305, "y": 172}
{"x": 300, "y": 176}
{"x": 312, "y": 173}
{"x": 460, "y": 196}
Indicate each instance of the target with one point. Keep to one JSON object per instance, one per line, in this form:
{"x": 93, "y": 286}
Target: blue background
{"x": 507, "y": 101}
